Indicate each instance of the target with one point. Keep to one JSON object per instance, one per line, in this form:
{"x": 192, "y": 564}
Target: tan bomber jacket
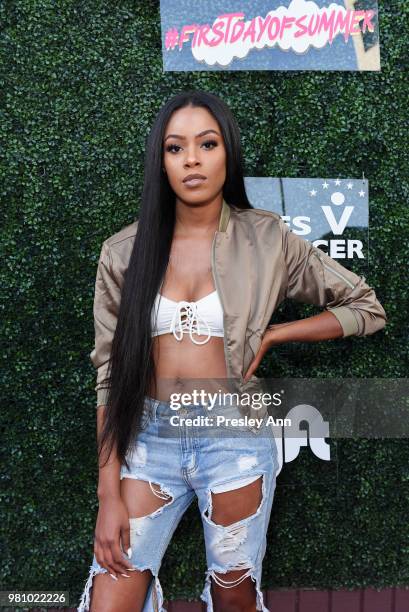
{"x": 257, "y": 262}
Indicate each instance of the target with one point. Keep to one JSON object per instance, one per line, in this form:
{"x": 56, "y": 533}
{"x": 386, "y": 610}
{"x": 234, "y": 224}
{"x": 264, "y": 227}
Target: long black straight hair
{"x": 131, "y": 367}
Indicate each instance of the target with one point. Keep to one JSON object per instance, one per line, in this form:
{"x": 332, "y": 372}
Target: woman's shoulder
{"x": 251, "y": 213}
{"x": 256, "y": 218}
{"x": 128, "y": 232}
{"x": 119, "y": 245}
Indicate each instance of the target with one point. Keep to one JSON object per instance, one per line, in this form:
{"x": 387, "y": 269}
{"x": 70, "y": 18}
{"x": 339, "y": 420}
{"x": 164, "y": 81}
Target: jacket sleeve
{"x": 106, "y": 307}
{"x": 315, "y": 278}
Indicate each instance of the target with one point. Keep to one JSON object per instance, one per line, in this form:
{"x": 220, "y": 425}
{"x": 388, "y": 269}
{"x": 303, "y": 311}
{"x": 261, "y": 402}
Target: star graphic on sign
{"x": 313, "y": 193}
{"x": 350, "y": 185}
{"x": 361, "y": 194}
{"x": 337, "y": 182}
{"x": 325, "y": 185}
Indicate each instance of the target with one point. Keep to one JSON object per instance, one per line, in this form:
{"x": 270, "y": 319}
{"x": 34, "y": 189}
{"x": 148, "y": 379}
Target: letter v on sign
{"x": 337, "y": 227}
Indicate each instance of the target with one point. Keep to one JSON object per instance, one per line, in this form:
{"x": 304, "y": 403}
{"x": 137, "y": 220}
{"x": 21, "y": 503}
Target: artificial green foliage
{"x": 80, "y": 83}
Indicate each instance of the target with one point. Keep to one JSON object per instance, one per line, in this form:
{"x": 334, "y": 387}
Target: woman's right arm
{"x": 112, "y": 525}
{"x": 107, "y": 300}
{"x": 109, "y": 466}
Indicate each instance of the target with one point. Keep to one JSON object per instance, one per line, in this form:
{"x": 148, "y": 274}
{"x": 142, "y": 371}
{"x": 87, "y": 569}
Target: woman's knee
{"x": 238, "y": 598}
{"x": 122, "y": 595}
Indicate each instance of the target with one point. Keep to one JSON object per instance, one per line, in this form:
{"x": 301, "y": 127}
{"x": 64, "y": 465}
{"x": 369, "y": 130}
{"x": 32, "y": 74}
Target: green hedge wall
{"x": 80, "y": 83}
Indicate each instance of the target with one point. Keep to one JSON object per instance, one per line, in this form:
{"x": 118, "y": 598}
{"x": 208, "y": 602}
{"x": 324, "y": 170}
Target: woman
{"x": 183, "y": 298}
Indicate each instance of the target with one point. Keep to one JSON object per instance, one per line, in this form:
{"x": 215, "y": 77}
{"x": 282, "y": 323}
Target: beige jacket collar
{"x": 224, "y": 217}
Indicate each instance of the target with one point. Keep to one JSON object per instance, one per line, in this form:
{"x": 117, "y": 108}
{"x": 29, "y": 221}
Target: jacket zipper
{"x": 341, "y": 276}
{"x": 226, "y": 356}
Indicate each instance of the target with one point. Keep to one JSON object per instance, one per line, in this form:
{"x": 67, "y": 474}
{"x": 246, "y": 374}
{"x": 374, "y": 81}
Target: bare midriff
{"x": 182, "y": 366}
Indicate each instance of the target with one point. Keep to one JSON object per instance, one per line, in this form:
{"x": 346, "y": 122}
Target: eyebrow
{"x": 197, "y": 135}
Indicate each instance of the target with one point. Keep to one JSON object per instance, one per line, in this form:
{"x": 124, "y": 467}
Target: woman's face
{"x": 193, "y": 144}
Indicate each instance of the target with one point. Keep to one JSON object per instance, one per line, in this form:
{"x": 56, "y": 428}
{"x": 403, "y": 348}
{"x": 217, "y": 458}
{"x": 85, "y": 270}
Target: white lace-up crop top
{"x": 202, "y": 317}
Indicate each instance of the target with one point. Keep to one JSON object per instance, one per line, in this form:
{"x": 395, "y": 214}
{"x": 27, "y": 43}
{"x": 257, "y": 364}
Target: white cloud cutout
{"x": 300, "y": 26}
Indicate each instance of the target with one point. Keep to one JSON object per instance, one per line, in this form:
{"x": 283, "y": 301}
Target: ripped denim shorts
{"x": 185, "y": 460}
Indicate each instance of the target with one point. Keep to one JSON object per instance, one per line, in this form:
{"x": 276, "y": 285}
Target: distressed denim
{"x": 192, "y": 460}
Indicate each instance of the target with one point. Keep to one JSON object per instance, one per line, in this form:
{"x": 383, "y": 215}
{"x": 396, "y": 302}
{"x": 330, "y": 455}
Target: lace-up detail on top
{"x": 202, "y": 317}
